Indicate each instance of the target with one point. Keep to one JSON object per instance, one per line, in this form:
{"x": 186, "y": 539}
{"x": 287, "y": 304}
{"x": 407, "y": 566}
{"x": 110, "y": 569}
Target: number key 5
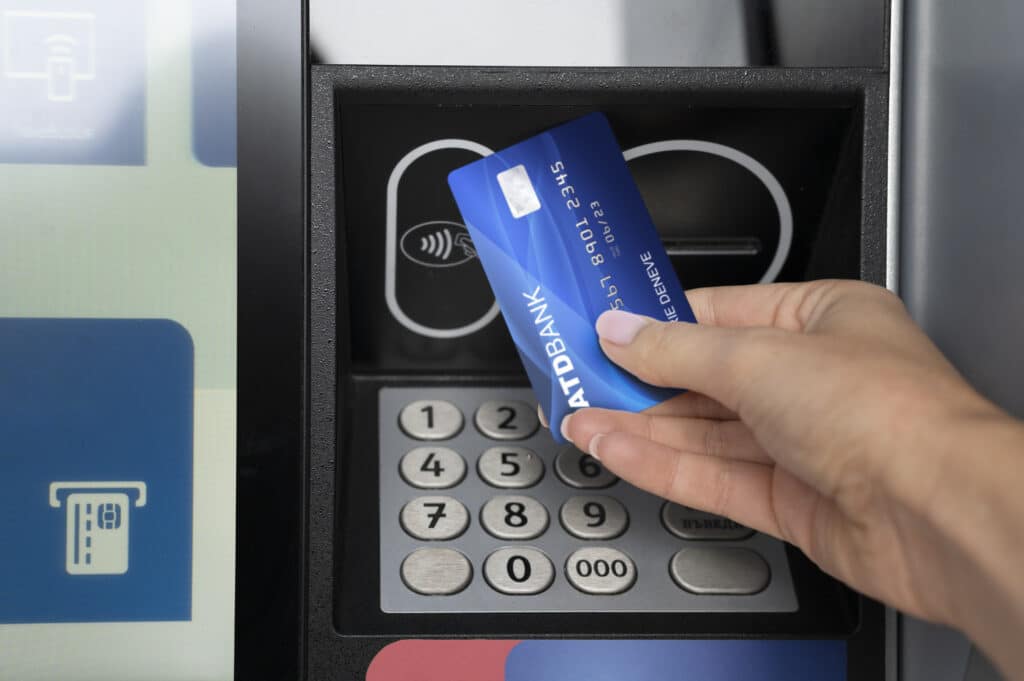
{"x": 510, "y": 467}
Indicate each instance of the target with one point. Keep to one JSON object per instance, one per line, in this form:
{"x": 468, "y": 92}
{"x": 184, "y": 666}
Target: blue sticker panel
{"x": 214, "y": 77}
{"x": 72, "y": 82}
{"x": 690, "y": 660}
{"x": 95, "y": 470}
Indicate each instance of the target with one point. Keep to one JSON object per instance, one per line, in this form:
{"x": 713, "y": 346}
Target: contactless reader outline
{"x": 392, "y": 247}
{"x": 97, "y": 523}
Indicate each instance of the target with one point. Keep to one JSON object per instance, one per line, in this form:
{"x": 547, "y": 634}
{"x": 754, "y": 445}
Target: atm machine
{"x": 439, "y": 532}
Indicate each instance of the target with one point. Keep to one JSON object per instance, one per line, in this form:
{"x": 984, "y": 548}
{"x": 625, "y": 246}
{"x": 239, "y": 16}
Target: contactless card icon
{"x": 58, "y": 47}
{"x": 97, "y": 519}
{"x": 72, "y": 82}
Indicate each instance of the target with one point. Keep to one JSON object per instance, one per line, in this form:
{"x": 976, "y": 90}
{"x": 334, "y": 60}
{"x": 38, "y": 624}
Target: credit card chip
{"x": 519, "y": 192}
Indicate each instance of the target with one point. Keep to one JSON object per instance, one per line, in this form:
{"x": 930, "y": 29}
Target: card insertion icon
{"x": 97, "y": 521}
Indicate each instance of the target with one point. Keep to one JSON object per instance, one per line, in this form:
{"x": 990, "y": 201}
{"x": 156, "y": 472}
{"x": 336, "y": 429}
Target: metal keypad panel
{"x": 474, "y": 518}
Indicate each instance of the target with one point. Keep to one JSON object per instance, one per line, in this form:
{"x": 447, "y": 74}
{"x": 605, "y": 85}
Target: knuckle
{"x": 855, "y": 487}
{"x": 853, "y": 288}
{"x": 714, "y": 440}
{"x": 674, "y": 482}
{"x": 659, "y": 349}
{"x": 650, "y": 428}
{"x": 723, "y": 489}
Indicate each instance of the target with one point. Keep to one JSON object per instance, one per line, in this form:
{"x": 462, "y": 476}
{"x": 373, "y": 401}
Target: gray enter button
{"x": 720, "y": 570}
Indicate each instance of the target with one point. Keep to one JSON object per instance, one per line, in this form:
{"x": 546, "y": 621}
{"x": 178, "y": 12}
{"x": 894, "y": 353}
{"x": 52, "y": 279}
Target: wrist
{"x": 977, "y": 510}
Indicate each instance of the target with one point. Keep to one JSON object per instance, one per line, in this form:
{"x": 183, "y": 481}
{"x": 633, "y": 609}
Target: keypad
{"x": 514, "y": 517}
{"x": 519, "y": 571}
{"x": 580, "y": 470}
{"x": 470, "y": 521}
{"x": 435, "y": 518}
{"x": 433, "y": 468}
{"x": 594, "y": 517}
{"x": 507, "y": 419}
{"x": 510, "y": 467}
{"x": 431, "y": 420}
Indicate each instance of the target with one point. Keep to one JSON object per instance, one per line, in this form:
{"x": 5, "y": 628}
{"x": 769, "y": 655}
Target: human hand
{"x": 820, "y": 414}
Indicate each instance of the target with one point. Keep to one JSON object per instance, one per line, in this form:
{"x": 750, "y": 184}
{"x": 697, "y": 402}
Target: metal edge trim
{"x": 892, "y": 232}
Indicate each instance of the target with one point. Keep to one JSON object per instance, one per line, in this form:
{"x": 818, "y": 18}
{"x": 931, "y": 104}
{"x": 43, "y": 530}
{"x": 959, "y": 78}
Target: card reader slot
{"x": 703, "y": 246}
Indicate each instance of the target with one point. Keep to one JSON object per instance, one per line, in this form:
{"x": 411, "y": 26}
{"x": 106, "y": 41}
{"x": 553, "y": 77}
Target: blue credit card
{"x": 563, "y": 235}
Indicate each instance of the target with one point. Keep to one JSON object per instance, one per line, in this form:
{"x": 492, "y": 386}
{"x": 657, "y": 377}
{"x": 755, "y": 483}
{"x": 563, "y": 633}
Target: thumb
{"x": 715, "y": 361}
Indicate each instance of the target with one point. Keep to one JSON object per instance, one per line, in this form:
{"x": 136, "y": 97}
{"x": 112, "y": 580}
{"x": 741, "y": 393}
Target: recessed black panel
{"x": 716, "y": 215}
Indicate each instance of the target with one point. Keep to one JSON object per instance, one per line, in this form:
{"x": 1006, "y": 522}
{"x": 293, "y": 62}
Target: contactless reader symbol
{"x": 438, "y": 243}
{"x": 97, "y": 524}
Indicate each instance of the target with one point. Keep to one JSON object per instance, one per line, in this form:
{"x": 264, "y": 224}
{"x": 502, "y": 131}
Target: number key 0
{"x": 519, "y": 571}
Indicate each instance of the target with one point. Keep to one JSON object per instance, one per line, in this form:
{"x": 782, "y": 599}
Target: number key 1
{"x": 431, "y": 420}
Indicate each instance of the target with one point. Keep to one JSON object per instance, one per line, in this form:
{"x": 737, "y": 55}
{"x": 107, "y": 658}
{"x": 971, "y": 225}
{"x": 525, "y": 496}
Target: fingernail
{"x": 540, "y": 415}
{"x": 620, "y": 327}
{"x": 565, "y": 428}
{"x": 592, "y": 449}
